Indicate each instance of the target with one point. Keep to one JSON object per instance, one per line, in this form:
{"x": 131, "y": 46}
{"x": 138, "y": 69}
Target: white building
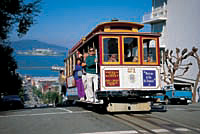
{"x": 178, "y": 22}
{"x": 158, "y": 18}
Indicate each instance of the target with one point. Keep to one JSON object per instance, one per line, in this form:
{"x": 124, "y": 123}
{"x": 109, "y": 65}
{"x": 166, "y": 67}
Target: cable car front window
{"x": 149, "y": 50}
{"x": 130, "y": 50}
{"x": 111, "y": 50}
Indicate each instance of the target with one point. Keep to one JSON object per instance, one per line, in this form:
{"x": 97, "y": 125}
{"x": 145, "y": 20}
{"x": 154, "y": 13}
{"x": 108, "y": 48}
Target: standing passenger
{"x": 92, "y": 77}
{"x": 62, "y": 81}
{"x": 78, "y": 79}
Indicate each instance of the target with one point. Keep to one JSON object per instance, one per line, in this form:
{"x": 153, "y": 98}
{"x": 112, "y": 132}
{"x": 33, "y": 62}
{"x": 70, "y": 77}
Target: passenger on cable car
{"x": 112, "y": 58}
{"x": 62, "y": 81}
{"x": 135, "y": 59}
{"x": 149, "y": 59}
{"x": 78, "y": 79}
{"x": 92, "y": 77}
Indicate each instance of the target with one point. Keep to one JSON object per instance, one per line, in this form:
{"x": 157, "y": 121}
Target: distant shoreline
{"x": 40, "y": 52}
{"x": 38, "y": 65}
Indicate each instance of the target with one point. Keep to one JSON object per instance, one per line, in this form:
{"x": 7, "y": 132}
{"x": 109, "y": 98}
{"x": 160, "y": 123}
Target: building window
{"x": 131, "y": 49}
{"x": 159, "y": 3}
{"x": 111, "y": 50}
{"x": 149, "y": 50}
{"x": 157, "y": 27}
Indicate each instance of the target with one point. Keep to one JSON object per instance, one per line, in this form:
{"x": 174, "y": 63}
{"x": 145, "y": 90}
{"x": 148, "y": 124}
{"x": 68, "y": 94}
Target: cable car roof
{"x": 120, "y": 27}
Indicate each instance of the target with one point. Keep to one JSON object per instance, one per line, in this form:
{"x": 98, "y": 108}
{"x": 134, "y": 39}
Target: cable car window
{"x": 149, "y": 50}
{"x": 70, "y": 68}
{"x": 131, "y": 50}
{"x": 111, "y": 50}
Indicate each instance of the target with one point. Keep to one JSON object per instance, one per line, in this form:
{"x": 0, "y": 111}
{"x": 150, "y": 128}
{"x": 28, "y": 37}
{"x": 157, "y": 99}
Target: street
{"x": 180, "y": 119}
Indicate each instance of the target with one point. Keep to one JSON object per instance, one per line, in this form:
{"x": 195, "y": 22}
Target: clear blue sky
{"x": 64, "y": 22}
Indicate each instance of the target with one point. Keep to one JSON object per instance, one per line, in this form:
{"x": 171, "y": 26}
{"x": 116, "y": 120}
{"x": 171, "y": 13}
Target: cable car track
{"x": 131, "y": 123}
{"x": 167, "y": 127}
{"x": 170, "y": 122}
{"x": 146, "y": 119}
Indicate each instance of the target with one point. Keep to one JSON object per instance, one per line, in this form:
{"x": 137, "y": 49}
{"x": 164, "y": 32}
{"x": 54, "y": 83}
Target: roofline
{"x": 122, "y": 22}
{"x": 101, "y": 25}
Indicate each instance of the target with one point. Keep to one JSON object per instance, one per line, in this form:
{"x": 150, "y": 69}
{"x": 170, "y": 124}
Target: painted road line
{"x": 40, "y": 114}
{"x": 182, "y": 129}
{"x": 160, "y": 130}
{"x": 179, "y": 109}
{"x": 176, "y": 122}
{"x": 197, "y": 129}
{"x": 65, "y": 110}
{"x": 77, "y": 112}
{"x": 114, "y": 132}
{"x": 22, "y": 115}
{"x": 139, "y": 131}
{"x": 142, "y": 131}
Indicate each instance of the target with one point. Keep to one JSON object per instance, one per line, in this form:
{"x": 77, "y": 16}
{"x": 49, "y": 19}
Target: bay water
{"x": 38, "y": 65}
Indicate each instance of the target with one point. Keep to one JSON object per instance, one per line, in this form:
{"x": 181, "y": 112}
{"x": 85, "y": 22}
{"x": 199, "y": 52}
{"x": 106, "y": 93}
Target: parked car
{"x": 181, "y": 94}
{"x": 12, "y": 102}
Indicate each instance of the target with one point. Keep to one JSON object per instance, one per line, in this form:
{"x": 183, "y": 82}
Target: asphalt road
{"x": 181, "y": 119}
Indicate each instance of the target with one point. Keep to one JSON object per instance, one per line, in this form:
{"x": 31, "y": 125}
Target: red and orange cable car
{"x": 128, "y": 64}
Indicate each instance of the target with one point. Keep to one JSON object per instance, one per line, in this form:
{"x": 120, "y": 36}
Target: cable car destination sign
{"x": 149, "y": 78}
{"x": 112, "y": 78}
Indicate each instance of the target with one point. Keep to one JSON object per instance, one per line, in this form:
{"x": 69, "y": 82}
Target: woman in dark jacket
{"x": 78, "y": 79}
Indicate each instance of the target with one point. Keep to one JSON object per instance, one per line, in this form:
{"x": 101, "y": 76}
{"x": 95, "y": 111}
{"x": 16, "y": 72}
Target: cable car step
{"x": 124, "y": 107}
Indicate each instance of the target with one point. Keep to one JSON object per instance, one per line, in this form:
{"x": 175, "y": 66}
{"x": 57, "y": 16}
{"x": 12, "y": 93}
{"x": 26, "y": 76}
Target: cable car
{"x": 128, "y": 65}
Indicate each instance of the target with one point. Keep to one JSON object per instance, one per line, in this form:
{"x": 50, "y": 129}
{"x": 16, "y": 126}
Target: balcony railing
{"x": 158, "y": 14}
{"x": 147, "y": 17}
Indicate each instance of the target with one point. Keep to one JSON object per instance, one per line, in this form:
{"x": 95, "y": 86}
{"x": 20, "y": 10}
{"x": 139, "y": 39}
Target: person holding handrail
{"x": 78, "y": 78}
{"x": 92, "y": 77}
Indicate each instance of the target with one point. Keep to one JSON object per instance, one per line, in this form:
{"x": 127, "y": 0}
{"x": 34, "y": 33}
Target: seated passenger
{"x": 135, "y": 59}
{"x": 149, "y": 59}
{"x": 112, "y": 58}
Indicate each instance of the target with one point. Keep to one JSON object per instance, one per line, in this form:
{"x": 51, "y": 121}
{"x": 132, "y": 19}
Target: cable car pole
{"x": 96, "y": 58}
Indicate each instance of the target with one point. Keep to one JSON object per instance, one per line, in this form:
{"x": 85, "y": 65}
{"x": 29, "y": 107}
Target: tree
{"x": 175, "y": 63}
{"x": 10, "y": 82}
{"x": 17, "y": 12}
{"x": 37, "y": 92}
{"x": 13, "y": 13}
{"x": 197, "y": 57}
{"x": 51, "y": 96}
